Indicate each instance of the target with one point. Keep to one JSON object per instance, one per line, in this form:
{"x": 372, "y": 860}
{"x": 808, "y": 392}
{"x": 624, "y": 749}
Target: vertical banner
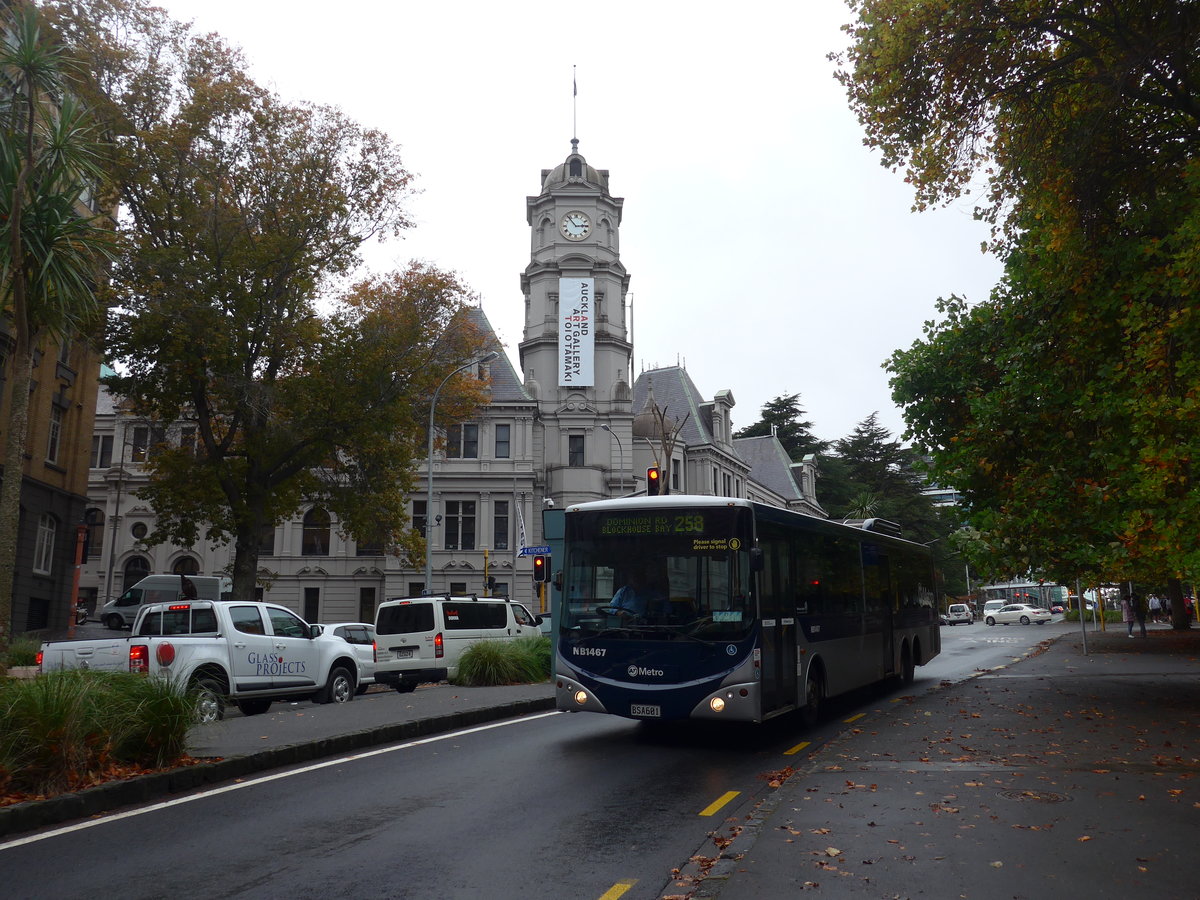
{"x": 576, "y": 337}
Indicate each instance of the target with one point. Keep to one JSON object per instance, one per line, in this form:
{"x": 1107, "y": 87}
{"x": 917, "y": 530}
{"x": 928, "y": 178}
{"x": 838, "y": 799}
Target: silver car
{"x": 361, "y": 636}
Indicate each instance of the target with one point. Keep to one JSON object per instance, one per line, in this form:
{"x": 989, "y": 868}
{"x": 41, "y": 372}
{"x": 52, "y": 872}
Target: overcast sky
{"x": 768, "y": 250}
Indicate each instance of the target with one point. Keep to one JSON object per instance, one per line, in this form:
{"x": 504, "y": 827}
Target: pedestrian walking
{"x": 1155, "y": 609}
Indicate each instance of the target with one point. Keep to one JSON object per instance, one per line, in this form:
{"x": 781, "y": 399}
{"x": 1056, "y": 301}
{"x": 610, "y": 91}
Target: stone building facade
{"x": 573, "y": 426}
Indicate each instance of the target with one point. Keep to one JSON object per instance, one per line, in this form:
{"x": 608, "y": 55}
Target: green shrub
{"x": 523, "y": 661}
{"x": 22, "y": 651}
{"x": 64, "y": 730}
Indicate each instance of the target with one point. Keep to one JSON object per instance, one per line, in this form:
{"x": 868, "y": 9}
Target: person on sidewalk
{"x": 1133, "y": 609}
{"x": 1155, "y": 609}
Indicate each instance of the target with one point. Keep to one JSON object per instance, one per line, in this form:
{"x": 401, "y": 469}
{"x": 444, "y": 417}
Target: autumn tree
{"x": 243, "y": 216}
{"x": 1064, "y": 407}
{"x": 52, "y": 246}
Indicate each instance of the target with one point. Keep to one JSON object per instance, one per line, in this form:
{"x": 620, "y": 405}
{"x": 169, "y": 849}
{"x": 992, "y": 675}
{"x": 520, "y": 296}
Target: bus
{"x": 747, "y": 611}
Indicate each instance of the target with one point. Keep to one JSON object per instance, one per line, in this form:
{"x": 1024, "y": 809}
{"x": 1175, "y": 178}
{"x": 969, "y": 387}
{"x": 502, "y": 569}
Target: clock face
{"x": 575, "y": 226}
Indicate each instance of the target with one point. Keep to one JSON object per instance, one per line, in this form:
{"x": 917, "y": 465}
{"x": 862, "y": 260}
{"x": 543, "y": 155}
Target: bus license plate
{"x": 645, "y": 711}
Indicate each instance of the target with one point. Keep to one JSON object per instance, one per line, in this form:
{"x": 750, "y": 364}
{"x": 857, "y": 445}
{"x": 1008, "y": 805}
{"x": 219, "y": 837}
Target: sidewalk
{"x": 1061, "y": 775}
{"x": 292, "y": 733}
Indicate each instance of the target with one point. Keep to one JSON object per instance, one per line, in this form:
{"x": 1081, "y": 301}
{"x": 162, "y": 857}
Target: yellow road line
{"x": 800, "y": 746}
{"x": 618, "y": 889}
{"x": 718, "y": 803}
{"x": 854, "y": 718}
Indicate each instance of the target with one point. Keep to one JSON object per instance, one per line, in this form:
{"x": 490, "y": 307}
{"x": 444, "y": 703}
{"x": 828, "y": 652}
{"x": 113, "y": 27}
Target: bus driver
{"x": 638, "y": 596}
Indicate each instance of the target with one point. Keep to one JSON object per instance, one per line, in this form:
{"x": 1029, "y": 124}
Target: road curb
{"x": 35, "y": 814}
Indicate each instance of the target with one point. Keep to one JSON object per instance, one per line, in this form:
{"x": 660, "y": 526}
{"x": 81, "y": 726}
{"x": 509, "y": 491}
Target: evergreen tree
{"x": 786, "y": 416}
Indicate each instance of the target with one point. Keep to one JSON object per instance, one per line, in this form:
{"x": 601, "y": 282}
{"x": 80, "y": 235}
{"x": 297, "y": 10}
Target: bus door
{"x": 879, "y": 612}
{"x": 777, "y": 616}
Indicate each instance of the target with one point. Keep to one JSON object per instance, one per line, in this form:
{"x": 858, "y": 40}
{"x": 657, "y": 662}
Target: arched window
{"x": 186, "y": 565}
{"x": 95, "y": 525}
{"x": 315, "y": 540}
{"x": 136, "y": 569}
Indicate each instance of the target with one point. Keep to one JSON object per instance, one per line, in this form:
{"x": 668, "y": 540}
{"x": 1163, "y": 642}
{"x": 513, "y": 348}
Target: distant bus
{"x": 747, "y": 611}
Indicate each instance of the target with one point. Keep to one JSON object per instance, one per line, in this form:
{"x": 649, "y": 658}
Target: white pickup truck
{"x": 247, "y": 652}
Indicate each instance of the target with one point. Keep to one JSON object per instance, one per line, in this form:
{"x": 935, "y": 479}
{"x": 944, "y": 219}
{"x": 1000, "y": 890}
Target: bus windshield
{"x": 661, "y": 573}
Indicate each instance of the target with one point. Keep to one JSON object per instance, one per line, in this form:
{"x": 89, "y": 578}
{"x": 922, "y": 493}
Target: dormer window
{"x": 575, "y": 167}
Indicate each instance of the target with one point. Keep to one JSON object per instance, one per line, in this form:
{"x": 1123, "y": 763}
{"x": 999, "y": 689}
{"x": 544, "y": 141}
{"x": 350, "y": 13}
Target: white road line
{"x": 179, "y": 801}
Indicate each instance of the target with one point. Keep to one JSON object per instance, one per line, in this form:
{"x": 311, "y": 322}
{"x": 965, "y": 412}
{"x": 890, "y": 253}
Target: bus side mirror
{"x": 756, "y": 559}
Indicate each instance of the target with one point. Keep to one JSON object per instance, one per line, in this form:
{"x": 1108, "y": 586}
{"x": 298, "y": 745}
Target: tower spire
{"x": 574, "y": 111}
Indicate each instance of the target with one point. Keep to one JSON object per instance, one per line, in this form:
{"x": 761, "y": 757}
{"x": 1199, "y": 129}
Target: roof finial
{"x": 574, "y": 111}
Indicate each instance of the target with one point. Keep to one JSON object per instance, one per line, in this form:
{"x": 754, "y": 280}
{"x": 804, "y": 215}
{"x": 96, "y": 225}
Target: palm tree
{"x": 51, "y": 245}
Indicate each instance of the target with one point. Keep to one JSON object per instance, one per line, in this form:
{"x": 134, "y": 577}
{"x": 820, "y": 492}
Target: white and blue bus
{"x": 745, "y": 611}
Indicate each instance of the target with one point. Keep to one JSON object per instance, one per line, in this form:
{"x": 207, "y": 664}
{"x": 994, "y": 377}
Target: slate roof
{"x": 770, "y": 465}
{"x": 507, "y": 386}
{"x": 677, "y": 394}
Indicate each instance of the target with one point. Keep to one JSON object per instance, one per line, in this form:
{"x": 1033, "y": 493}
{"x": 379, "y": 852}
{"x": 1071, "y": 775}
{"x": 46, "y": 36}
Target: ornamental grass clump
{"x": 523, "y": 661}
{"x": 62, "y": 731}
{"x": 22, "y": 651}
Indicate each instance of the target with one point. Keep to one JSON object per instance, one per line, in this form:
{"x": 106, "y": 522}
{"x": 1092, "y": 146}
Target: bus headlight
{"x": 717, "y": 704}
{"x": 581, "y": 697}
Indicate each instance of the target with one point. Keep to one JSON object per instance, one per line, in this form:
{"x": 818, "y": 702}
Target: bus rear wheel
{"x": 814, "y": 698}
{"x": 908, "y": 665}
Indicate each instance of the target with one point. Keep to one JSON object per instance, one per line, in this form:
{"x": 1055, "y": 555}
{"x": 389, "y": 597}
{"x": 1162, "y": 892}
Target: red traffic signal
{"x": 541, "y": 568}
{"x": 653, "y": 481}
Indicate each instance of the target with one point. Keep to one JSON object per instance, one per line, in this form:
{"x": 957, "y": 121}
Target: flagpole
{"x": 574, "y": 103}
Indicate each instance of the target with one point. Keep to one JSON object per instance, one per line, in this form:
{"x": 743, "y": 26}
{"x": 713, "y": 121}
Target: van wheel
{"x": 210, "y": 699}
{"x": 406, "y": 687}
{"x": 114, "y": 622}
{"x": 339, "y": 688}
{"x": 253, "y": 707}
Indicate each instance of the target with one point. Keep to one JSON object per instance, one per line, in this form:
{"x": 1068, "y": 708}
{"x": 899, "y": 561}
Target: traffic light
{"x": 653, "y": 481}
{"x": 541, "y": 568}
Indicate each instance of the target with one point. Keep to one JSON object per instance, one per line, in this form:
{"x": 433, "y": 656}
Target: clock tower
{"x": 576, "y": 353}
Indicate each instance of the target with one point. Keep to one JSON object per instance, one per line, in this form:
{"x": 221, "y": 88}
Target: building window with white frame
{"x": 503, "y": 441}
{"x": 43, "y": 552}
{"x": 102, "y": 447}
{"x": 500, "y": 525}
{"x": 54, "y": 439}
{"x": 575, "y": 450}
{"x": 459, "y": 525}
{"x": 462, "y": 442}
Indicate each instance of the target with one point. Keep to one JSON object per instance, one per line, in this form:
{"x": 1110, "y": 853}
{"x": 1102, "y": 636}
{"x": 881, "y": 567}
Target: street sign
{"x": 534, "y": 551}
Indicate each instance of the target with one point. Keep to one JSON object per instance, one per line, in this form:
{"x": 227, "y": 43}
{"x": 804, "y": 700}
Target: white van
{"x": 991, "y": 606}
{"x": 120, "y": 613}
{"x": 420, "y": 639}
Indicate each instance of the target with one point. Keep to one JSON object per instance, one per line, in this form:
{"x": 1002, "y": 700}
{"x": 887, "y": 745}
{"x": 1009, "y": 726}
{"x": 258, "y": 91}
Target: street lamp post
{"x": 621, "y": 449}
{"x": 429, "y": 467}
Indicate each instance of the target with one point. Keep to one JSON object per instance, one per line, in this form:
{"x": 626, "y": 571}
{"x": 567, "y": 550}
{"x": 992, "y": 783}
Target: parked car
{"x": 1021, "y": 613}
{"x": 1057, "y": 608}
{"x": 361, "y": 636}
{"x": 958, "y": 613}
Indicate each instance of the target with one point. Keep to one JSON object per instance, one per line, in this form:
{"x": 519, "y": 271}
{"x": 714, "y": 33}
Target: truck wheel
{"x": 339, "y": 688}
{"x": 210, "y": 699}
{"x": 115, "y": 622}
{"x": 253, "y": 707}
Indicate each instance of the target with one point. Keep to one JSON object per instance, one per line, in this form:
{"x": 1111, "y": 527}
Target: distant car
{"x": 1057, "y": 608}
{"x": 1021, "y": 613}
{"x": 360, "y": 635}
{"x": 958, "y": 613}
